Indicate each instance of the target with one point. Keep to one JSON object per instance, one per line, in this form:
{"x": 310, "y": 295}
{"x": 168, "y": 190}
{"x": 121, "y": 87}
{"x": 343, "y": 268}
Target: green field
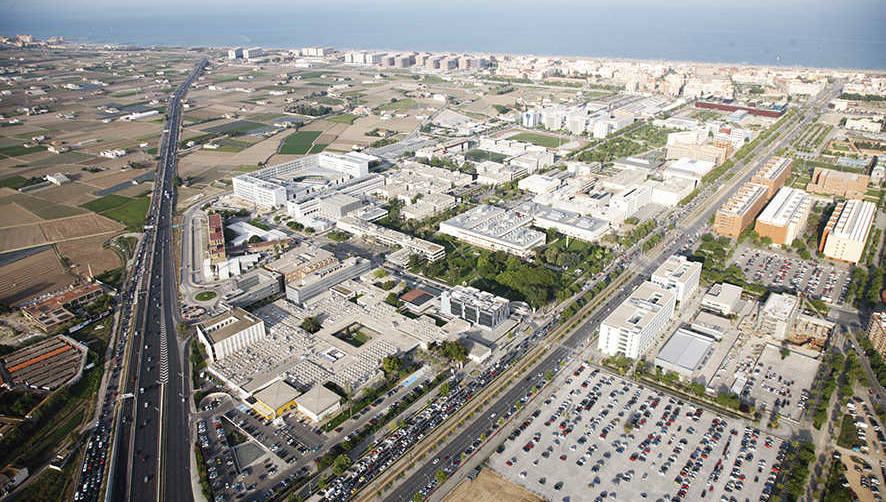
{"x": 317, "y": 148}
{"x": 107, "y": 202}
{"x": 478, "y": 155}
{"x": 14, "y": 182}
{"x": 47, "y": 210}
{"x": 205, "y": 296}
{"x": 238, "y": 126}
{"x": 299, "y": 142}
{"x": 17, "y": 150}
{"x": 539, "y": 139}
{"x": 346, "y": 118}
{"x": 397, "y": 105}
{"x": 132, "y": 213}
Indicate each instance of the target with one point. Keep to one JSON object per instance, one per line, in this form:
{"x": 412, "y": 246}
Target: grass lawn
{"x": 478, "y": 155}
{"x": 132, "y": 213}
{"x": 107, "y": 202}
{"x": 346, "y": 118}
{"x": 205, "y": 296}
{"x": 298, "y": 143}
{"x": 397, "y": 105}
{"x": 17, "y": 150}
{"x": 539, "y": 139}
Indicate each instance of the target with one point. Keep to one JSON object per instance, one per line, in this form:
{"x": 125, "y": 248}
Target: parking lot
{"x": 777, "y": 383}
{"x": 826, "y": 282}
{"x": 602, "y": 437}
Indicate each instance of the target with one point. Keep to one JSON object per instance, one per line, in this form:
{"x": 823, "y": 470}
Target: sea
{"x": 810, "y": 33}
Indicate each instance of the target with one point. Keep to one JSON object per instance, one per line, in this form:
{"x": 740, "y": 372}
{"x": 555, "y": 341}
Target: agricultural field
{"x": 30, "y": 276}
{"x": 132, "y": 213}
{"x": 299, "y": 142}
{"x": 236, "y": 127}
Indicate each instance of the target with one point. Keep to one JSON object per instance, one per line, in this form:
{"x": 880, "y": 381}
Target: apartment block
{"x": 773, "y": 175}
{"x": 216, "y": 239}
{"x": 841, "y": 184}
{"x": 847, "y": 230}
{"x": 877, "y": 332}
{"x": 784, "y": 216}
{"x": 740, "y": 210}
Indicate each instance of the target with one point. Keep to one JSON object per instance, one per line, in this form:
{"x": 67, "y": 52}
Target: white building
{"x": 864, "y": 124}
{"x": 478, "y": 307}
{"x": 539, "y": 183}
{"x": 228, "y": 332}
{"x": 723, "y": 299}
{"x": 689, "y": 170}
{"x": 631, "y": 329}
{"x": 318, "y": 403}
{"x": 495, "y": 228}
{"x": 678, "y": 274}
{"x": 846, "y": 232}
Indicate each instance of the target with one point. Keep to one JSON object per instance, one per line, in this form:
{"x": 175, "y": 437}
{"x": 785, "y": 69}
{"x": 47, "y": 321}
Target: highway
{"x": 582, "y": 336}
{"x": 152, "y": 445}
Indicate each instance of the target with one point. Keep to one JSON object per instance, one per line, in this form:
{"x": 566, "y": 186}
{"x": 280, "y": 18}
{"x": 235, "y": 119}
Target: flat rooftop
{"x": 227, "y": 324}
{"x": 685, "y": 349}
{"x": 639, "y": 309}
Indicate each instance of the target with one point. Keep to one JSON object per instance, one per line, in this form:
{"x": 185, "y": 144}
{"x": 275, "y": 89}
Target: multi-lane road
{"x": 581, "y": 336}
{"x": 152, "y": 455}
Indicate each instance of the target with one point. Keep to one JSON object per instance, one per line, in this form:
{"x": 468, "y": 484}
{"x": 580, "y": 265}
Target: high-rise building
{"x": 877, "y": 332}
{"x": 632, "y": 327}
{"x": 847, "y": 230}
{"x": 773, "y": 174}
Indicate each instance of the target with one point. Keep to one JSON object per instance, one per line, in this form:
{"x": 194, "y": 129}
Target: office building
{"x": 298, "y": 263}
{"x": 388, "y": 237}
{"x": 228, "y": 332}
{"x": 321, "y": 280}
{"x": 847, "y": 230}
{"x": 566, "y": 222}
{"x": 778, "y": 314}
{"x": 479, "y": 307}
{"x": 785, "y": 216}
{"x": 631, "y": 329}
{"x": 678, "y": 274}
{"x": 723, "y": 299}
{"x": 877, "y": 332}
{"x": 708, "y": 153}
{"x": 539, "y": 183}
{"x": 495, "y": 228}
{"x": 773, "y": 174}
{"x": 253, "y": 53}
{"x": 685, "y": 353}
{"x": 235, "y": 53}
{"x": 740, "y": 210}
{"x": 842, "y": 184}
{"x": 685, "y": 169}
{"x": 253, "y": 286}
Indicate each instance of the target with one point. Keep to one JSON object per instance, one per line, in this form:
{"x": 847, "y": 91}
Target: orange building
{"x": 830, "y": 182}
{"x": 740, "y": 210}
{"x": 216, "y": 239}
{"x": 773, "y": 175}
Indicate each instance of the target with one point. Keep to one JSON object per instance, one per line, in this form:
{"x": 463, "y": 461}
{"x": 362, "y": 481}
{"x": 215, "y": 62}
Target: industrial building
{"x": 678, "y": 274}
{"x": 785, "y": 216}
{"x": 318, "y": 403}
{"x": 496, "y": 229}
{"x": 846, "y": 232}
{"x": 228, "y": 332}
{"x": 479, "y": 307}
{"x": 740, "y": 210}
{"x": 685, "y": 352}
{"x": 631, "y": 329}
{"x": 723, "y": 299}
{"x": 841, "y": 184}
{"x": 45, "y": 366}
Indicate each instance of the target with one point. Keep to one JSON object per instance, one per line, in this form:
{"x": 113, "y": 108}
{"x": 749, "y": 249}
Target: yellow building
{"x": 275, "y": 400}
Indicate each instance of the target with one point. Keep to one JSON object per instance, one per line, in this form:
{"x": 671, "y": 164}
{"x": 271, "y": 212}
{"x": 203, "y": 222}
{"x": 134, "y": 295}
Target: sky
{"x": 845, "y": 33}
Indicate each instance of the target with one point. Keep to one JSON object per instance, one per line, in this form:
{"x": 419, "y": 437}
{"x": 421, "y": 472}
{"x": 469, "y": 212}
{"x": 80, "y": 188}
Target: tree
{"x": 444, "y": 388}
{"x": 341, "y": 464}
{"x": 440, "y": 476}
{"x": 392, "y": 365}
{"x": 311, "y": 324}
{"x": 254, "y": 239}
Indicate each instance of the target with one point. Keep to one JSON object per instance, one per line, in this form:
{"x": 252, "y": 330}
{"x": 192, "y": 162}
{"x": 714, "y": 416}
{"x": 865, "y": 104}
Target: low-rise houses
{"x": 52, "y": 311}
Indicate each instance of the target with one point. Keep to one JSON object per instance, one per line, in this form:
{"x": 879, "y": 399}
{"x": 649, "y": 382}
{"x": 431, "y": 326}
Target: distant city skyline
{"x": 788, "y": 33}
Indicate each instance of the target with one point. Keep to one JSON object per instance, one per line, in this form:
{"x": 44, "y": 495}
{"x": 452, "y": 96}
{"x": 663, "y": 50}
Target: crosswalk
{"x": 164, "y": 355}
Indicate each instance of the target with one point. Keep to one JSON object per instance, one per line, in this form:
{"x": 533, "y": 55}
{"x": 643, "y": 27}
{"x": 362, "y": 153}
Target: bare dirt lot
{"x": 34, "y": 275}
{"x": 89, "y": 252}
{"x": 70, "y": 194}
{"x": 490, "y": 487}
{"x": 13, "y": 214}
{"x": 80, "y": 226}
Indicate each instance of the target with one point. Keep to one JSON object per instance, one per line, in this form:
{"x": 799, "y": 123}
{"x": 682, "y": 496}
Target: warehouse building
{"x": 228, "y": 332}
{"x": 318, "y": 403}
{"x": 785, "y": 216}
{"x": 847, "y": 230}
{"x": 275, "y": 400}
{"x": 631, "y": 329}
